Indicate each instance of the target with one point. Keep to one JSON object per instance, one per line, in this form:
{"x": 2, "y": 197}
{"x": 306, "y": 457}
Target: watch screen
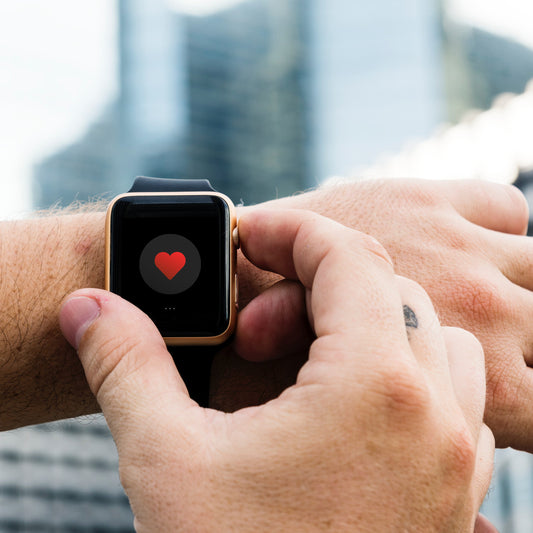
{"x": 170, "y": 256}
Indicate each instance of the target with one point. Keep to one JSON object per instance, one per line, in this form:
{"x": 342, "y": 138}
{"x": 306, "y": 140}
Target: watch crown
{"x": 235, "y": 236}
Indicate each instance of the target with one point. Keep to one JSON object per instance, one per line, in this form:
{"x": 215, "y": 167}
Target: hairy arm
{"x": 41, "y": 261}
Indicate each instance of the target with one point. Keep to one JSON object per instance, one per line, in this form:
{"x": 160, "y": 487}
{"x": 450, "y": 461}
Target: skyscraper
{"x": 265, "y": 98}
{"x": 220, "y": 96}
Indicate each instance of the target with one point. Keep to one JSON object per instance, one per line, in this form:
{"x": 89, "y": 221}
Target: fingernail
{"x": 76, "y": 315}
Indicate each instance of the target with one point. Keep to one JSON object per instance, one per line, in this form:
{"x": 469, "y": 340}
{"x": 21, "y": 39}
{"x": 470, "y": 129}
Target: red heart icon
{"x": 170, "y": 265}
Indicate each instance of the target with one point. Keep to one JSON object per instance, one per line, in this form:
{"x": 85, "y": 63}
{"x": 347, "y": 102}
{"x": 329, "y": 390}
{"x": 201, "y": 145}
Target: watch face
{"x": 171, "y": 256}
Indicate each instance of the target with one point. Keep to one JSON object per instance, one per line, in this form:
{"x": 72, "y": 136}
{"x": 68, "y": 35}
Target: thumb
{"x": 126, "y": 362}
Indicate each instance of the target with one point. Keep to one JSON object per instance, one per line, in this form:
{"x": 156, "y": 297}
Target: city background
{"x": 265, "y": 98}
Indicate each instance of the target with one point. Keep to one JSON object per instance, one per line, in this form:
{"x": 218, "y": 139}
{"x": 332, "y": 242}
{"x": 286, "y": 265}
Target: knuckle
{"x": 461, "y": 451}
{"x": 405, "y": 390}
{"x": 373, "y": 247}
{"x": 311, "y": 224}
{"x": 344, "y": 241}
{"x": 466, "y": 339}
{"x": 500, "y": 391}
{"x": 314, "y": 231}
{"x": 354, "y": 241}
{"x": 418, "y": 193}
{"x": 508, "y": 395}
{"x": 313, "y": 227}
{"x": 479, "y": 300}
{"x": 520, "y": 205}
{"x": 455, "y": 238}
{"x": 414, "y": 290}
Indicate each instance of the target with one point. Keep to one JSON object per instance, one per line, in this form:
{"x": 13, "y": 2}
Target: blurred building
{"x": 81, "y": 171}
{"x": 376, "y": 80}
{"x": 265, "y": 98}
{"x": 220, "y": 96}
{"x": 247, "y": 99}
{"x": 480, "y": 65}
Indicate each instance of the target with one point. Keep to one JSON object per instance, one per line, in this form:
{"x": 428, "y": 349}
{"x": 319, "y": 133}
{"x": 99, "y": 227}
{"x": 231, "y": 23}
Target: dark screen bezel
{"x": 226, "y": 292}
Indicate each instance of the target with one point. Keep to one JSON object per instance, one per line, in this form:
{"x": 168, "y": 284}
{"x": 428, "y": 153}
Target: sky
{"x": 58, "y": 70}
{"x": 58, "y": 66}
{"x": 510, "y": 18}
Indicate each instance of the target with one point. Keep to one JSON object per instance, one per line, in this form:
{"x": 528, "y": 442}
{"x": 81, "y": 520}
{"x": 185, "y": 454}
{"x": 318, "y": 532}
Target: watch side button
{"x": 236, "y": 290}
{"x": 235, "y": 236}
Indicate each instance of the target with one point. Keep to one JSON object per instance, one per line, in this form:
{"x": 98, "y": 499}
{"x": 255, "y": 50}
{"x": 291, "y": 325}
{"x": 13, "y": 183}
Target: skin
{"x": 41, "y": 260}
{"x": 462, "y": 241}
{"x": 387, "y": 408}
{"x": 465, "y": 243}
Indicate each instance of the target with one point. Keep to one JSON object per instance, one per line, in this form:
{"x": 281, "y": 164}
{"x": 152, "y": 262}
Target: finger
{"x": 483, "y": 525}
{"x": 499, "y": 314}
{"x": 491, "y": 307}
{"x": 452, "y": 358}
{"x": 268, "y": 238}
{"x": 513, "y": 255}
{"x": 483, "y": 470}
{"x": 467, "y": 369}
{"x": 512, "y": 312}
{"x": 509, "y": 398}
{"x": 354, "y": 298}
{"x": 125, "y": 359}
{"x": 496, "y": 206}
{"x": 424, "y": 332}
{"x": 274, "y": 324}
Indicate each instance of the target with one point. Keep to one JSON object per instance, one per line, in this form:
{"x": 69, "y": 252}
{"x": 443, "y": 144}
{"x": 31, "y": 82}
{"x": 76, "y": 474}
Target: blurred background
{"x": 265, "y": 98}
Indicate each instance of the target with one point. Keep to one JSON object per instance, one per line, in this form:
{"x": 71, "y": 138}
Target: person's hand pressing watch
{"x": 382, "y": 431}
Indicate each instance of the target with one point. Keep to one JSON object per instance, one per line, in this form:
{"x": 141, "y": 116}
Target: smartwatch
{"x": 171, "y": 251}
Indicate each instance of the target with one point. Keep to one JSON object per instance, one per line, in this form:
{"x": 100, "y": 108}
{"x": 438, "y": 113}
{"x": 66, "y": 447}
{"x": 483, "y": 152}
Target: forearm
{"x": 41, "y": 261}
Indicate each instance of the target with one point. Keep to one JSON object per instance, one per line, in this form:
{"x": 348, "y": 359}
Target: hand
{"x": 463, "y": 242}
{"x": 382, "y": 431}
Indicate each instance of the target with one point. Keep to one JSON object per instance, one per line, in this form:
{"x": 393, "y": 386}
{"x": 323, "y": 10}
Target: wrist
{"x": 43, "y": 260}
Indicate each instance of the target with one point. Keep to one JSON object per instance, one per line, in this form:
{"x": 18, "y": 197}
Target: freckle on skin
{"x": 83, "y": 246}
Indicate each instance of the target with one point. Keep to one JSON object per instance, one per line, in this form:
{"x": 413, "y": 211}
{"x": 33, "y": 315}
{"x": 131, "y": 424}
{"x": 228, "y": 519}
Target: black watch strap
{"x": 193, "y": 362}
{"x": 145, "y": 184}
{"x": 194, "y": 365}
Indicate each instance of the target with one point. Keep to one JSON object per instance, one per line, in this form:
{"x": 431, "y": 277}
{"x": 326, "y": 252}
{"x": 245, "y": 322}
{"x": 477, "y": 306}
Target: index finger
{"x": 351, "y": 275}
{"x": 496, "y": 206}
